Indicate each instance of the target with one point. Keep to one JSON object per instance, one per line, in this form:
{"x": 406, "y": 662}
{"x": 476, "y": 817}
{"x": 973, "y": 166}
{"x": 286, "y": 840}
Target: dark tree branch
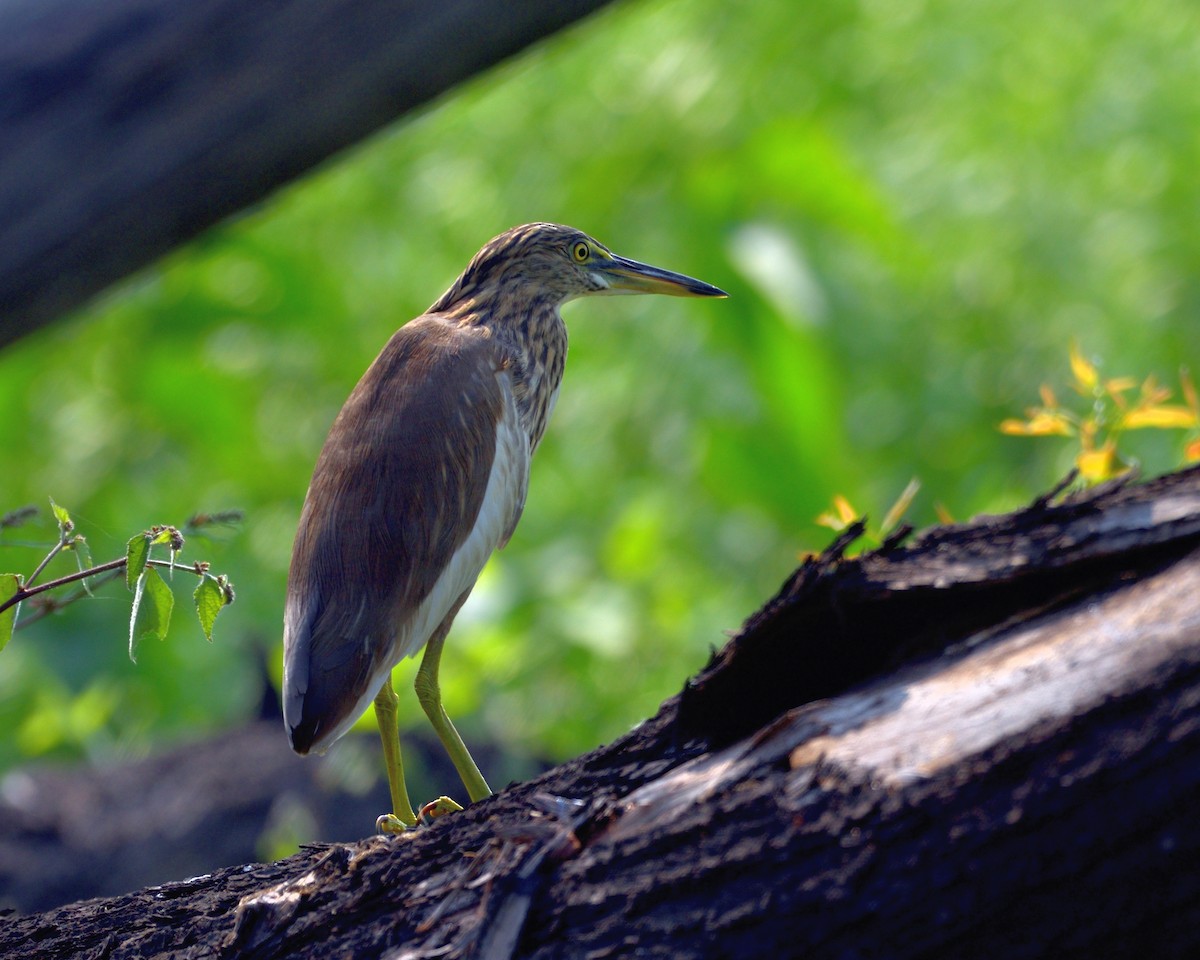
{"x": 127, "y": 127}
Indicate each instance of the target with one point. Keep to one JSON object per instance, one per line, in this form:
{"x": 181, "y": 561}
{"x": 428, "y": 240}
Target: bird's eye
{"x": 580, "y": 251}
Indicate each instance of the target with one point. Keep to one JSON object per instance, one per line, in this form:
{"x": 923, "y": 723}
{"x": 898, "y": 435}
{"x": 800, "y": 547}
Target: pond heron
{"x": 423, "y": 475}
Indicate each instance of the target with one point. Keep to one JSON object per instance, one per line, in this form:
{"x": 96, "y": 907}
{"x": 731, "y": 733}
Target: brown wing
{"x": 396, "y": 489}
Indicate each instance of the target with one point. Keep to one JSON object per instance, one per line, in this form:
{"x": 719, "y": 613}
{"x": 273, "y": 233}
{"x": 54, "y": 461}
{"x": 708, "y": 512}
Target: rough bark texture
{"x": 76, "y": 832}
{"x": 129, "y": 126}
{"x": 983, "y": 744}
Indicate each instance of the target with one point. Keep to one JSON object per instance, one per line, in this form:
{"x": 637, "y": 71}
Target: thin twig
{"x": 45, "y": 610}
{"x": 54, "y": 552}
{"x": 26, "y": 592}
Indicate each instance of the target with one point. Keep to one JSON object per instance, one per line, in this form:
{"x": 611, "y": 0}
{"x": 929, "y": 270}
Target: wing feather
{"x": 386, "y": 529}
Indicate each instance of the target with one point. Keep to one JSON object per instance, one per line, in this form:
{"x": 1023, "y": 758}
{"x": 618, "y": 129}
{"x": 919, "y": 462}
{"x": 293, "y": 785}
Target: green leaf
{"x": 10, "y": 583}
{"x": 83, "y": 559}
{"x": 137, "y": 552}
{"x": 162, "y": 602}
{"x": 210, "y": 600}
{"x": 65, "y": 523}
{"x": 151, "y": 613}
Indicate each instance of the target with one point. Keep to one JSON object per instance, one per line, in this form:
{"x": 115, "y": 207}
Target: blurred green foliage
{"x": 915, "y": 206}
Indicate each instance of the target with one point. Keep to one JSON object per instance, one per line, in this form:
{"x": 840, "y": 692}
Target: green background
{"x": 915, "y": 207}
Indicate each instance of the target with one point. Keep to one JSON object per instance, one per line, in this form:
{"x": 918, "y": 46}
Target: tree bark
{"x": 127, "y": 127}
{"x": 985, "y": 744}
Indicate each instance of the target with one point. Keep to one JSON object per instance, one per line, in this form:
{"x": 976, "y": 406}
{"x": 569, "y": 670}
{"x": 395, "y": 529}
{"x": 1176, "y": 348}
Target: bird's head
{"x": 549, "y": 262}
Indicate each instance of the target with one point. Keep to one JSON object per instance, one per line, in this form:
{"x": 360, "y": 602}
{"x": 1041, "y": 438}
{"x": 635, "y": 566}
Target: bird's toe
{"x": 437, "y": 808}
{"x": 389, "y": 823}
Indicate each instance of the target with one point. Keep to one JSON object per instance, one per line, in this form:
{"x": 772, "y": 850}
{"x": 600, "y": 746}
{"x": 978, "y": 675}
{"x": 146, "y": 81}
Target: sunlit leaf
{"x": 847, "y": 513}
{"x": 1191, "y": 452}
{"x": 1189, "y": 391}
{"x": 161, "y": 603}
{"x": 1101, "y": 464}
{"x": 65, "y": 525}
{"x": 1117, "y": 397}
{"x": 1047, "y": 424}
{"x": 210, "y": 600}
{"x": 1162, "y": 416}
{"x": 830, "y": 520}
{"x": 10, "y": 583}
{"x": 1115, "y": 386}
{"x": 842, "y": 515}
{"x": 151, "y": 613}
{"x": 83, "y": 559}
{"x": 900, "y": 507}
{"x": 137, "y": 552}
{"x": 1152, "y": 393}
{"x": 1086, "y": 375}
{"x": 1043, "y": 423}
{"x": 138, "y": 590}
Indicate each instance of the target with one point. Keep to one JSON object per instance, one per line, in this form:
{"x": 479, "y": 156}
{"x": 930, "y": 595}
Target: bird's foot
{"x": 437, "y": 808}
{"x": 389, "y": 823}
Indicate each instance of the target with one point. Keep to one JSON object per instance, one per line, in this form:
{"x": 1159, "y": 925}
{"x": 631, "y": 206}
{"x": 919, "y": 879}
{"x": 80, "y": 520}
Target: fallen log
{"x": 983, "y": 743}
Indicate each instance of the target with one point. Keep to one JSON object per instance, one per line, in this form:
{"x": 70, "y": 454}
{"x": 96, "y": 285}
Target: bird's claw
{"x": 437, "y": 808}
{"x": 389, "y": 823}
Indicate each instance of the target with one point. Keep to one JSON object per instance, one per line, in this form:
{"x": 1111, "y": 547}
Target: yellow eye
{"x": 580, "y": 251}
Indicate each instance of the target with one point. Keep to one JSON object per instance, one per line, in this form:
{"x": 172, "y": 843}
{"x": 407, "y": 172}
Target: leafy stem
{"x": 213, "y": 592}
{"x": 1111, "y": 411}
{"x": 65, "y": 528}
{"x": 25, "y": 592}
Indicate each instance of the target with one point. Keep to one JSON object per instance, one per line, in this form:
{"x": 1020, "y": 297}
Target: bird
{"x": 422, "y": 477}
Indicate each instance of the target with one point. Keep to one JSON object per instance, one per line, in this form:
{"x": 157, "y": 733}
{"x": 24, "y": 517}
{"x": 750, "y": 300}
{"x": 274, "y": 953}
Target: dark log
{"x": 81, "y": 831}
{"x": 983, "y": 744}
{"x": 127, "y": 127}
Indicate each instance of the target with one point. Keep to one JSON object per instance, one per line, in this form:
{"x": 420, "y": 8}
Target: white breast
{"x": 502, "y": 503}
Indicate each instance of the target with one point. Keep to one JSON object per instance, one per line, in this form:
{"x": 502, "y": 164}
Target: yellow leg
{"x": 402, "y": 815}
{"x": 429, "y": 692}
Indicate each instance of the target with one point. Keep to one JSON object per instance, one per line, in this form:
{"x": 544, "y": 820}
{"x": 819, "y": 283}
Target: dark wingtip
{"x": 302, "y": 737}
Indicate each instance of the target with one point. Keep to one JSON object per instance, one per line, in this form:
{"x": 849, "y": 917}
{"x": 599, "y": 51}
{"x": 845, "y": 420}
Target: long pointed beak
{"x": 629, "y": 276}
